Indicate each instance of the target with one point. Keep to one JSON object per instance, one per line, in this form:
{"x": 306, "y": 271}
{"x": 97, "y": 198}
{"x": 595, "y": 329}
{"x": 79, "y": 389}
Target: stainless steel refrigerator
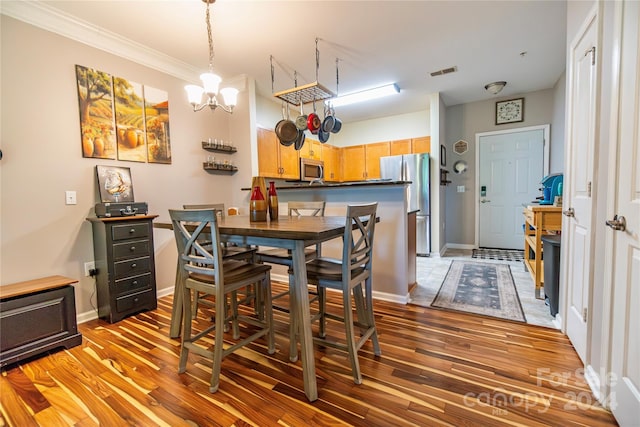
{"x": 414, "y": 168}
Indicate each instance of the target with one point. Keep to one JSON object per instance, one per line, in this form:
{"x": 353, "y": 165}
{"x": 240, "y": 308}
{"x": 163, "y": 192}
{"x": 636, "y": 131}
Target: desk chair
{"x": 283, "y": 257}
{"x": 202, "y": 269}
{"x": 347, "y": 276}
{"x": 241, "y": 253}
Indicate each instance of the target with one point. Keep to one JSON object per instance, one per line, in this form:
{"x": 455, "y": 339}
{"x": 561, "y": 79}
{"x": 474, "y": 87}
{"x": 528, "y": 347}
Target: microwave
{"x": 311, "y": 170}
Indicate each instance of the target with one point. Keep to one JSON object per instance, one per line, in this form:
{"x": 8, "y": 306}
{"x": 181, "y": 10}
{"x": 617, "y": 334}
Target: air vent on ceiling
{"x": 444, "y": 71}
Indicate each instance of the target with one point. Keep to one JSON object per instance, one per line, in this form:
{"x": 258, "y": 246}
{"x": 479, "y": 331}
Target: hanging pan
{"x": 286, "y": 130}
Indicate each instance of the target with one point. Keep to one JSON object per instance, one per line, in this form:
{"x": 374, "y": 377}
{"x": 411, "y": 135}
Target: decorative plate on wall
{"x": 460, "y": 147}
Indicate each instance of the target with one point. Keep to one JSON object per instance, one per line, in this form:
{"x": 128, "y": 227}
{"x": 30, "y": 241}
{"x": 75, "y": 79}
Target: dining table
{"x": 293, "y": 233}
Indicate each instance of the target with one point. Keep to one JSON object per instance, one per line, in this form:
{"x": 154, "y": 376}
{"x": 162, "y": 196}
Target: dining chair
{"x": 202, "y": 269}
{"x": 347, "y": 276}
{"x": 283, "y": 257}
{"x": 243, "y": 253}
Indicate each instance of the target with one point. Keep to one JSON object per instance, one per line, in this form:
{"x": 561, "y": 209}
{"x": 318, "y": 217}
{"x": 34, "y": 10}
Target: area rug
{"x": 499, "y": 254}
{"x": 480, "y": 288}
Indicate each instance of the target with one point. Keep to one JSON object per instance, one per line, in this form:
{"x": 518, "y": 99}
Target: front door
{"x": 510, "y": 168}
{"x": 579, "y": 200}
{"x": 625, "y": 241}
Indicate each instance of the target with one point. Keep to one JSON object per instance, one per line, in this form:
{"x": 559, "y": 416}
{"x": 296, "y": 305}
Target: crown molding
{"x": 56, "y": 21}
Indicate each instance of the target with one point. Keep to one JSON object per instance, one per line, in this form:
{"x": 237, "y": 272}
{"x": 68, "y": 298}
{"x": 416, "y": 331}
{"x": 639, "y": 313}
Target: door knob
{"x": 569, "y": 212}
{"x": 485, "y": 201}
{"x": 618, "y": 223}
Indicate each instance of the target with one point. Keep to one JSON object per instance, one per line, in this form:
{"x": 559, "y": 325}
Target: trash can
{"x": 551, "y": 251}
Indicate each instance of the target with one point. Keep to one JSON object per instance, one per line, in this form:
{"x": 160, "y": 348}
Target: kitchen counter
{"x": 393, "y": 272}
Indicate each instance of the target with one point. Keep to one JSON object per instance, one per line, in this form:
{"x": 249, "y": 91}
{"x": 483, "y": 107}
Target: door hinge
{"x": 584, "y": 315}
{"x": 589, "y": 189}
{"x": 591, "y": 51}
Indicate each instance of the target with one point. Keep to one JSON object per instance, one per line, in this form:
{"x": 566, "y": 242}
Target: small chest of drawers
{"x": 123, "y": 253}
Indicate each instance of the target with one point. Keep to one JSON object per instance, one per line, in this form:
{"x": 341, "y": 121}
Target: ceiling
{"x": 376, "y": 42}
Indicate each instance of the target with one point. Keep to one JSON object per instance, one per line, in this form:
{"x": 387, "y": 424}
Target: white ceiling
{"x": 377, "y": 42}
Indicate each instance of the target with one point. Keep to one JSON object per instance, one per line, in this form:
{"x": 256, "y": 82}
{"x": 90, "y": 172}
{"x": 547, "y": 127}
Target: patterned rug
{"x": 480, "y": 288}
{"x": 499, "y": 254}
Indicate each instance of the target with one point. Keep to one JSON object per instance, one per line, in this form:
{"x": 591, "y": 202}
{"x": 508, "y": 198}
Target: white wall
{"x": 40, "y": 137}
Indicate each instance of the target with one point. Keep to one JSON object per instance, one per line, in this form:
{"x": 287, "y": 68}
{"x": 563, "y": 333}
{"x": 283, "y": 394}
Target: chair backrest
{"x": 357, "y": 250}
{"x": 190, "y": 228}
{"x": 218, "y": 207}
{"x": 306, "y": 208}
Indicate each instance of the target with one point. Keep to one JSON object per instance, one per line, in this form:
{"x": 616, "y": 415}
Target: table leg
{"x": 301, "y": 298}
{"x": 176, "y": 310}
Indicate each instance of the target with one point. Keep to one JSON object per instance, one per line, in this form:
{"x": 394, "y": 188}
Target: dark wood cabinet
{"x": 123, "y": 252}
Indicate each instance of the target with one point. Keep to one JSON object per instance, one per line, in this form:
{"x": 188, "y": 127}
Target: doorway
{"x": 509, "y": 167}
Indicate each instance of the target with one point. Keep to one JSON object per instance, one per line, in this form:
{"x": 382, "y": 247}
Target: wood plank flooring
{"x": 437, "y": 368}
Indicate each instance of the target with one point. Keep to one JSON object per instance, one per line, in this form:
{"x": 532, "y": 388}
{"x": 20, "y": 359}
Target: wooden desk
{"x": 538, "y": 221}
{"x": 293, "y": 233}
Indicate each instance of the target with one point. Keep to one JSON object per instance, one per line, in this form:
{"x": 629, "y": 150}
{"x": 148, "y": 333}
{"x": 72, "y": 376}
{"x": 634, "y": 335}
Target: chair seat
{"x": 328, "y": 269}
{"x": 283, "y": 256}
{"x": 234, "y": 271}
{"x": 237, "y": 252}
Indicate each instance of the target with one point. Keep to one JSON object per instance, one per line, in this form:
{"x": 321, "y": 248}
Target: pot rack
{"x": 306, "y": 93}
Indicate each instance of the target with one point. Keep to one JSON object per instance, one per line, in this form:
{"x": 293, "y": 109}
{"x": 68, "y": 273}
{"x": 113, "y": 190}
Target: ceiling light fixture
{"x": 365, "y": 95}
{"x": 211, "y": 81}
{"x": 495, "y": 87}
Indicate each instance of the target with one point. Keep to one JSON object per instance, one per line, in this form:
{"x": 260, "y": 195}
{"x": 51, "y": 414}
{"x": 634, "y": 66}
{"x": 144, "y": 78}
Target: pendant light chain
{"x": 210, "y": 37}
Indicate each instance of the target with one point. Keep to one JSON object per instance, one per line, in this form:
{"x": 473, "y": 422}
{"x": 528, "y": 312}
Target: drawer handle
{"x": 136, "y": 299}
{"x": 133, "y": 248}
{"x": 134, "y": 283}
{"x": 133, "y": 230}
{"x": 134, "y": 265}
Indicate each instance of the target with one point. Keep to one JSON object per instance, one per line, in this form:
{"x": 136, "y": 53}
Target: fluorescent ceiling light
{"x": 365, "y": 95}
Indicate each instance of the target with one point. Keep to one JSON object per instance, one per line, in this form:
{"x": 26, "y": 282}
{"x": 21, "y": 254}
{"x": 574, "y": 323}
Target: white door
{"x": 510, "y": 168}
{"x": 625, "y": 274}
{"x": 578, "y": 200}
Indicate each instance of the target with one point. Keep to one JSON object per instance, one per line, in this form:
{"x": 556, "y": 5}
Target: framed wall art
{"x": 114, "y": 184}
{"x": 510, "y": 111}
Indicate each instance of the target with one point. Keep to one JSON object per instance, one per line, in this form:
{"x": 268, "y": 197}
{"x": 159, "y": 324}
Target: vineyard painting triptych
{"x": 122, "y": 119}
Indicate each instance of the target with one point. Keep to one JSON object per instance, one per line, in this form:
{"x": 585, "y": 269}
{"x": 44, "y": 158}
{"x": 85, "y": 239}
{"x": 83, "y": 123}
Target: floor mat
{"x": 499, "y": 254}
{"x": 480, "y": 288}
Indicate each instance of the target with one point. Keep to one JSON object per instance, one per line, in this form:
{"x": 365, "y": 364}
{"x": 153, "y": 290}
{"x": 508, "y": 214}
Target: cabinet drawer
{"x": 131, "y": 267}
{"x": 129, "y": 231}
{"x": 132, "y": 249}
{"x": 130, "y": 284}
{"x": 133, "y": 301}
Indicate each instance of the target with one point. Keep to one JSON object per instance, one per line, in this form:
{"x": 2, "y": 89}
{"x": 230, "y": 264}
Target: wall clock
{"x": 510, "y": 111}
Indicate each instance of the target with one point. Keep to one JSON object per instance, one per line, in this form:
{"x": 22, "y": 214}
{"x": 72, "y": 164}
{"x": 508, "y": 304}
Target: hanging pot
{"x": 337, "y": 125}
{"x": 313, "y": 121}
{"x": 299, "y": 142}
{"x": 286, "y": 130}
{"x": 322, "y": 135}
{"x": 301, "y": 120}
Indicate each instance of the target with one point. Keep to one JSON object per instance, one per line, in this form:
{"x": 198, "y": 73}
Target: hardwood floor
{"x": 436, "y": 368}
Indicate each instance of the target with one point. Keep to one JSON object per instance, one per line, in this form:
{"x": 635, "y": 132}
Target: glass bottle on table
{"x": 273, "y": 201}
{"x": 257, "y": 205}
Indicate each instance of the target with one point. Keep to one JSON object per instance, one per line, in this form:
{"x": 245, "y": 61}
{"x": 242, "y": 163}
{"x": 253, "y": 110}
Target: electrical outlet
{"x": 88, "y": 266}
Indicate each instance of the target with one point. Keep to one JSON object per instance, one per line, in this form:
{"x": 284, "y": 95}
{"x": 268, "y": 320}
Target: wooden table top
{"x": 36, "y": 285}
{"x": 290, "y": 228}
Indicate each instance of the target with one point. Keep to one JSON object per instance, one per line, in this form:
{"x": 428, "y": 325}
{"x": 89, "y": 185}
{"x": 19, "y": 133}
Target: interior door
{"x": 625, "y": 277}
{"x": 511, "y": 166}
{"x": 578, "y": 200}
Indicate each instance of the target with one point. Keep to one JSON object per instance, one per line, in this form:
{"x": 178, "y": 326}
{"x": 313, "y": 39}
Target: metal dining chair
{"x": 348, "y": 276}
{"x": 202, "y": 269}
{"x": 283, "y": 257}
{"x": 241, "y": 253}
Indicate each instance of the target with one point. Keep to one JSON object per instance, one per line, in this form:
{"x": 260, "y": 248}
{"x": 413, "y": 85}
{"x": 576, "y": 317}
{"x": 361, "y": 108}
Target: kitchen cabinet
{"x": 274, "y": 159}
{"x": 311, "y": 149}
{"x": 402, "y": 146}
{"x": 124, "y": 257}
{"x": 538, "y": 221}
{"x": 363, "y": 161}
{"x": 331, "y": 157}
{"x": 373, "y": 152}
{"x": 421, "y": 145}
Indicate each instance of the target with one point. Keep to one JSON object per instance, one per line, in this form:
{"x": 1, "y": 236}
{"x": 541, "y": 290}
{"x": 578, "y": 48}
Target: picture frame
{"x": 114, "y": 184}
{"x": 443, "y": 155}
{"x": 510, "y": 111}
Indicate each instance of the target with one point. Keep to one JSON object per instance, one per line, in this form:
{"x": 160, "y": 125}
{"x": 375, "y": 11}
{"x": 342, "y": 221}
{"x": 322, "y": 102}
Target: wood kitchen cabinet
{"x": 421, "y": 145}
{"x": 363, "y": 161}
{"x": 331, "y": 157}
{"x": 274, "y": 159}
{"x": 311, "y": 149}
{"x": 373, "y": 152}
{"x": 401, "y": 146}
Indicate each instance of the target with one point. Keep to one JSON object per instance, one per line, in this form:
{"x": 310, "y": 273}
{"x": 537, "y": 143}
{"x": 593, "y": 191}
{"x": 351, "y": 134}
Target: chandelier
{"x": 211, "y": 82}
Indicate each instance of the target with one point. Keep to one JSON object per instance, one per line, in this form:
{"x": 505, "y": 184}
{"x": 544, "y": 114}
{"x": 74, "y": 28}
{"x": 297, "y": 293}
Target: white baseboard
{"x": 458, "y": 246}
{"x": 592, "y": 378}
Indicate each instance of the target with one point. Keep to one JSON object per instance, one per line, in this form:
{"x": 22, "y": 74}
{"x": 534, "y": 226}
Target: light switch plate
{"x": 70, "y": 197}
{"x": 461, "y": 189}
